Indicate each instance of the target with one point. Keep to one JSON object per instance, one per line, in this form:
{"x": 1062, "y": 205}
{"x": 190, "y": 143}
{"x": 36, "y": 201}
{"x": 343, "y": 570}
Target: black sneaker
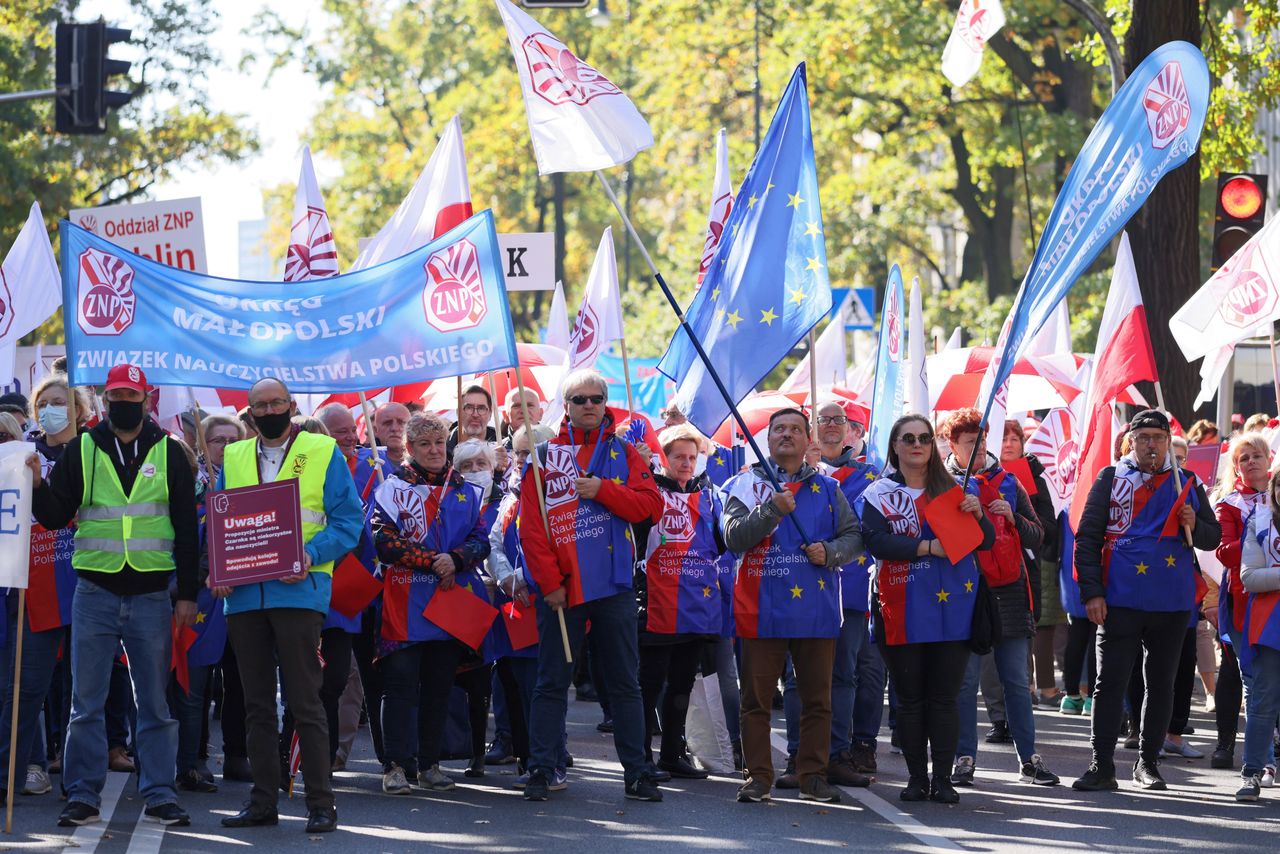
{"x": 1099, "y": 778}
{"x": 962, "y": 773}
{"x": 193, "y": 781}
{"x": 1250, "y": 789}
{"x": 1223, "y": 757}
{"x": 77, "y": 814}
{"x": 168, "y": 814}
{"x": 1147, "y": 776}
{"x": 941, "y": 791}
{"x": 789, "y": 779}
{"x": 640, "y": 789}
{"x": 999, "y": 733}
{"x": 538, "y": 788}
{"x": 499, "y": 752}
{"x": 1035, "y": 772}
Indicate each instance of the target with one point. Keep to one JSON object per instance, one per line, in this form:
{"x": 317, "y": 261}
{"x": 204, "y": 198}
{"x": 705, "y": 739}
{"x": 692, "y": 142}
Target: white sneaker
{"x": 1268, "y": 776}
{"x": 38, "y": 782}
{"x": 394, "y": 782}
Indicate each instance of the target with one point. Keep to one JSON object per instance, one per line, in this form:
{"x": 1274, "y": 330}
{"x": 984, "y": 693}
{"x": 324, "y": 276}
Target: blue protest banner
{"x": 891, "y": 380}
{"x": 439, "y": 311}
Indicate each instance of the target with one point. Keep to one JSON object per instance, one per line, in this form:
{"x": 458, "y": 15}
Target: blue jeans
{"x": 613, "y": 628}
{"x": 102, "y": 620}
{"x": 188, "y": 708}
{"x": 1264, "y": 705}
{"x": 868, "y": 702}
{"x": 1011, "y": 663}
{"x": 844, "y": 687}
{"x": 39, "y": 660}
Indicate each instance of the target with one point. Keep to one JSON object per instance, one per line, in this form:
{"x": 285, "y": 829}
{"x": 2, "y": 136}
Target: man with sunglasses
{"x": 787, "y": 601}
{"x": 1138, "y": 583}
{"x": 595, "y": 486}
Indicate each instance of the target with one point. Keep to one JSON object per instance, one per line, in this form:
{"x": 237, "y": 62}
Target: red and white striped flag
{"x": 312, "y": 251}
{"x": 439, "y": 200}
{"x": 721, "y": 205}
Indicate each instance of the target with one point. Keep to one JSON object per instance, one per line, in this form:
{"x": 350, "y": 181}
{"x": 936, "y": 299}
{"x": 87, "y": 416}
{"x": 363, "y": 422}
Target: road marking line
{"x": 85, "y": 839}
{"x": 935, "y": 840}
{"x": 147, "y": 836}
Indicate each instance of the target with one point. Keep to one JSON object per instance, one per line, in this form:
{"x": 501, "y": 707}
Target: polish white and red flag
{"x": 1123, "y": 356}
{"x": 30, "y": 287}
{"x": 438, "y": 200}
{"x": 312, "y": 252}
{"x": 599, "y": 320}
{"x": 976, "y": 22}
{"x": 721, "y": 205}
{"x": 578, "y": 120}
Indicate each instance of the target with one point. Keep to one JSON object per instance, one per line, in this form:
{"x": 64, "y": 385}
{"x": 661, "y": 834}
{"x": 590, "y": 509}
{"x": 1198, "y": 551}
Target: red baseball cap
{"x": 126, "y": 376}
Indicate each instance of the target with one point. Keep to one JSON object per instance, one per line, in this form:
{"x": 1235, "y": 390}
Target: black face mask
{"x": 273, "y": 425}
{"x": 125, "y": 415}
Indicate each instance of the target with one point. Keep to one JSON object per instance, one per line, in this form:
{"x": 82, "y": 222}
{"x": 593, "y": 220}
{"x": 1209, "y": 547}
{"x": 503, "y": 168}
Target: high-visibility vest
{"x": 307, "y": 460}
{"x": 114, "y": 529}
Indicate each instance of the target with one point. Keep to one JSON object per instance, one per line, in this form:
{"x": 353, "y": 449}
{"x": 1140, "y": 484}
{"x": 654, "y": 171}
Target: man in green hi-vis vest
{"x": 135, "y": 495}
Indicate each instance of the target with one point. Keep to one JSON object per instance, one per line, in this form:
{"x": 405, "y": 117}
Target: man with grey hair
{"x": 515, "y": 412}
{"x": 581, "y": 555}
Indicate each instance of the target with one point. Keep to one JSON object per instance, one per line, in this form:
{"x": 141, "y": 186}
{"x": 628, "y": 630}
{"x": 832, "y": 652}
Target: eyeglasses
{"x": 262, "y": 407}
{"x": 1151, "y": 439}
{"x": 218, "y": 441}
{"x": 832, "y": 419}
{"x": 584, "y": 399}
{"x": 910, "y": 439}
{"x": 475, "y": 408}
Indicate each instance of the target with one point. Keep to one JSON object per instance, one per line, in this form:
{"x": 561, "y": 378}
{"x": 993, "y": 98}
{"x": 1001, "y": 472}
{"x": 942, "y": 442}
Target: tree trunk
{"x": 1164, "y": 234}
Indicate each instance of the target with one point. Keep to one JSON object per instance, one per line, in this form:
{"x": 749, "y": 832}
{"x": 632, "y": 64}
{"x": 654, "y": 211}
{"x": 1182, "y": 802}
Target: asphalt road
{"x": 998, "y": 814}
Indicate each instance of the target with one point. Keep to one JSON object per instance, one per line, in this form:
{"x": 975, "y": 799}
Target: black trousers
{"x": 233, "y": 726}
{"x": 927, "y": 678}
{"x": 517, "y": 711}
{"x": 1228, "y": 697}
{"x": 335, "y": 649}
{"x": 364, "y": 645}
{"x": 287, "y": 638}
{"x": 417, "y": 680}
{"x": 672, "y": 666}
{"x": 1080, "y": 650}
{"x": 478, "y": 685}
{"x": 1128, "y": 635}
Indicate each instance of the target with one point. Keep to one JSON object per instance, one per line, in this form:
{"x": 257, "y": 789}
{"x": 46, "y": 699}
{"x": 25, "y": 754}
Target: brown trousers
{"x": 289, "y": 637}
{"x": 763, "y": 662}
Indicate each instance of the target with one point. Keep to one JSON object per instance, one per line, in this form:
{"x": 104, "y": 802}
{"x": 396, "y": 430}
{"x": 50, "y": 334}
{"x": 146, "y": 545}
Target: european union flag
{"x": 767, "y": 285}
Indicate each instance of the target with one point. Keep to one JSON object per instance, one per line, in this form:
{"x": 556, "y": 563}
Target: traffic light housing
{"x": 82, "y": 72}
{"x": 1240, "y": 211}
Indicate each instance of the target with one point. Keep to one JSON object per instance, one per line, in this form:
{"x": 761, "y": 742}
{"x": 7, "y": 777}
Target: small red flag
{"x": 522, "y": 624}
{"x": 461, "y": 613}
{"x": 1171, "y": 524}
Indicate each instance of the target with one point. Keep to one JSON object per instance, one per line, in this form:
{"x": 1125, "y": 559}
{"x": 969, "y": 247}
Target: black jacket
{"x": 57, "y": 500}
{"x": 1206, "y": 533}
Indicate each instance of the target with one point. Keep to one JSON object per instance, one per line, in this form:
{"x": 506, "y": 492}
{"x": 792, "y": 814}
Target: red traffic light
{"x": 1241, "y": 198}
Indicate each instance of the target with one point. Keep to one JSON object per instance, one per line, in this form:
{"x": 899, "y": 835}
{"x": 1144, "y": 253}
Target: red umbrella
{"x": 755, "y": 411}
{"x": 1035, "y": 383}
{"x": 541, "y": 368}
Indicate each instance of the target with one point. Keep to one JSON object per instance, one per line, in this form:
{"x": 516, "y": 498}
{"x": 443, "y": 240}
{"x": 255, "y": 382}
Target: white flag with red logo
{"x": 558, "y": 321}
{"x": 578, "y": 120}
{"x": 721, "y": 205}
{"x": 312, "y": 252}
{"x": 600, "y": 317}
{"x": 1123, "y": 356}
{"x": 30, "y": 287}
{"x": 976, "y": 22}
{"x": 439, "y": 200}
{"x": 1243, "y": 295}
{"x": 1056, "y": 443}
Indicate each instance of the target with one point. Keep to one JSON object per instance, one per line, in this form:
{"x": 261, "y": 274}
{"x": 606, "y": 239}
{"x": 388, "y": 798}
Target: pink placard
{"x": 255, "y": 533}
{"x": 1203, "y": 460}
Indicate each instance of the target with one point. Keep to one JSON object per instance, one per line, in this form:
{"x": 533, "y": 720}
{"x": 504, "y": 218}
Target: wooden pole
{"x": 1173, "y": 458}
{"x": 1275, "y": 373}
{"x": 493, "y": 395}
{"x": 13, "y": 718}
{"x": 542, "y": 502}
{"x": 374, "y": 460}
{"x": 626, "y": 375}
{"x": 201, "y": 446}
{"x": 459, "y": 425}
{"x": 813, "y": 383}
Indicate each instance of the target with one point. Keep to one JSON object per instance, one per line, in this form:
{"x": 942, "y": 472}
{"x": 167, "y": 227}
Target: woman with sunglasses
{"x": 428, "y": 529}
{"x": 926, "y": 603}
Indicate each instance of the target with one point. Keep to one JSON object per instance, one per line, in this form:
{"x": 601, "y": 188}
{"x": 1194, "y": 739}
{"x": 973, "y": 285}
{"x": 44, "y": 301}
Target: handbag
{"x": 986, "y": 630}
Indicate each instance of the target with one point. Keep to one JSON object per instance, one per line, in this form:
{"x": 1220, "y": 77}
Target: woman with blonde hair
{"x": 1241, "y": 489}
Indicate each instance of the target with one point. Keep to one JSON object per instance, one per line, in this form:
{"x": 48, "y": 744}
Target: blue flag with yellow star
{"x": 767, "y": 284}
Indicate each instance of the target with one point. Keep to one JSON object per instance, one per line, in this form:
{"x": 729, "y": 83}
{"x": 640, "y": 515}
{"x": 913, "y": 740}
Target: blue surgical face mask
{"x": 53, "y": 419}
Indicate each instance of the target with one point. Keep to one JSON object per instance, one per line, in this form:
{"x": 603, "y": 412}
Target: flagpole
{"x": 493, "y": 396}
{"x": 542, "y": 502}
{"x": 1173, "y": 458}
{"x": 374, "y": 460}
{"x": 697, "y": 346}
{"x": 813, "y": 383}
{"x": 201, "y": 445}
{"x": 626, "y": 373}
{"x": 13, "y": 718}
